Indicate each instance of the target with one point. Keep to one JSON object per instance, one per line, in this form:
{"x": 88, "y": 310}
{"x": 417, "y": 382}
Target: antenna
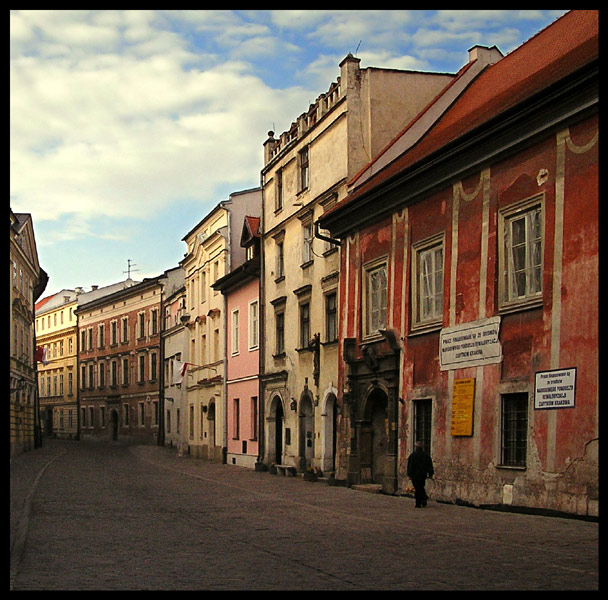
{"x": 357, "y": 50}
{"x": 130, "y": 268}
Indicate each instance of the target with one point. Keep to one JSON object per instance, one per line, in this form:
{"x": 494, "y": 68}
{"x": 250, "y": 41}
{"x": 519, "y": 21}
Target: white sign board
{"x": 555, "y": 389}
{"x": 470, "y": 344}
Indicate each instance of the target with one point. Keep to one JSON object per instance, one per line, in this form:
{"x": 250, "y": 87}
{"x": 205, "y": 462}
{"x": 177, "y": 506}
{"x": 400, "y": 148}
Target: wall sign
{"x": 463, "y": 397}
{"x": 555, "y": 389}
{"x": 470, "y": 344}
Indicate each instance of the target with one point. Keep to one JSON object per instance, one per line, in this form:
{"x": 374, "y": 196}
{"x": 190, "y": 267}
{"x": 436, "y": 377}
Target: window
{"x": 279, "y": 333}
{"x": 521, "y": 228}
{"x": 278, "y": 199}
{"x": 422, "y": 423}
{"x": 83, "y": 376}
{"x": 235, "y": 332}
{"x": 91, "y": 375}
{"x": 254, "y": 418}
{"x": 102, "y": 375}
{"x": 304, "y": 169}
{"x": 141, "y": 370}
{"x": 375, "y": 298}
{"x": 236, "y": 416}
{"x": 90, "y": 338}
{"x": 125, "y": 415}
{"x": 101, "y": 336}
{"x": 191, "y": 423}
{"x": 280, "y": 266}
{"x": 254, "y": 325}
{"x": 331, "y": 318}
{"x": 102, "y": 416}
{"x": 427, "y": 283}
{"x": 307, "y": 237}
{"x": 514, "y": 430}
{"x": 125, "y": 371}
{"x": 124, "y": 330}
{"x": 153, "y": 366}
{"x": 70, "y": 383}
{"x": 304, "y": 325}
{"x": 114, "y": 373}
{"x": 141, "y": 325}
{"x": 154, "y": 321}
{"x": 113, "y": 333}
{"x": 91, "y": 413}
{"x": 141, "y": 413}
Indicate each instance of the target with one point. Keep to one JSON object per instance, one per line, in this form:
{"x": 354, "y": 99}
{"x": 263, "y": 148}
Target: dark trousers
{"x": 419, "y": 491}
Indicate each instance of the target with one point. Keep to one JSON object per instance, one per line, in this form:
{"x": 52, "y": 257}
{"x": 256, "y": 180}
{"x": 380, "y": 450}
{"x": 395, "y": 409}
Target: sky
{"x": 128, "y": 126}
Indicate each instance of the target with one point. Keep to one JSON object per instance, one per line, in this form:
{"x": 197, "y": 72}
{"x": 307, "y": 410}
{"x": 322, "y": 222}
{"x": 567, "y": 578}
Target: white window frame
{"x": 373, "y": 320}
{"x": 254, "y": 325}
{"x": 234, "y": 332}
{"x": 508, "y": 298}
{"x": 425, "y": 287}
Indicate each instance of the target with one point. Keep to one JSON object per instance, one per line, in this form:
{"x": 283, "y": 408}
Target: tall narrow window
{"x": 427, "y": 280}
{"x": 514, "y": 430}
{"x": 254, "y": 325}
{"x": 521, "y": 262}
{"x": 304, "y": 324}
{"x": 280, "y": 266}
{"x": 307, "y": 237}
{"x": 235, "y": 332}
{"x": 304, "y": 169}
{"x": 331, "y": 318}
{"x": 253, "y": 428}
{"x": 236, "y": 419}
{"x": 375, "y": 298}
{"x": 279, "y": 332}
{"x": 125, "y": 371}
{"x": 278, "y": 199}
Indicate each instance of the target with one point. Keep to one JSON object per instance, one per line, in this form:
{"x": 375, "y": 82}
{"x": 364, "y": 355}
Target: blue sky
{"x": 127, "y": 127}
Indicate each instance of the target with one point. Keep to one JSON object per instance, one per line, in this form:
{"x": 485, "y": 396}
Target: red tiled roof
{"x": 563, "y": 47}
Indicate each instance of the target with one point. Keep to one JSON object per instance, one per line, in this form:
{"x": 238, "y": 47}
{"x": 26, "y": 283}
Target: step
{"x": 371, "y": 488}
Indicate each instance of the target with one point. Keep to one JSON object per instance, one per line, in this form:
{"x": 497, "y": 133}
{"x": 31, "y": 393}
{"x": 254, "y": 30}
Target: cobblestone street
{"x": 101, "y": 516}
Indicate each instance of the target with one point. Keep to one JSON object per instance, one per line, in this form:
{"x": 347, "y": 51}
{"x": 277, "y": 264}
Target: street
{"x": 108, "y": 516}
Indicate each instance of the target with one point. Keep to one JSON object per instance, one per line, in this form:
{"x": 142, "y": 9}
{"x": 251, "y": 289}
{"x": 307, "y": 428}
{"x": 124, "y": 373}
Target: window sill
{"x": 421, "y": 329}
{"x": 520, "y": 305}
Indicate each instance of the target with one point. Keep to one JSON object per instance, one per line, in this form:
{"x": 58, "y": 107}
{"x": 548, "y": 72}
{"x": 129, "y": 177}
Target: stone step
{"x": 371, "y": 488}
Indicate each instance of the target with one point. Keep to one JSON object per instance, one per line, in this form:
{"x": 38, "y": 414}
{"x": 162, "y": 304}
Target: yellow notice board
{"x": 462, "y": 407}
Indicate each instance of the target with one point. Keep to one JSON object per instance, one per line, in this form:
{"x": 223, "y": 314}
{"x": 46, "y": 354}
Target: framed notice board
{"x": 463, "y": 396}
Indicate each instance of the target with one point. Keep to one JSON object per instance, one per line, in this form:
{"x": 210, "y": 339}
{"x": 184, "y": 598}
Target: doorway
{"x": 278, "y": 430}
{"x": 114, "y": 424}
{"x": 307, "y": 433}
{"x": 374, "y": 437}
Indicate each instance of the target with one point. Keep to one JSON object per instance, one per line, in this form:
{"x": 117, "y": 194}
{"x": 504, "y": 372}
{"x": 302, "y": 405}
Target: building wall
{"x": 135, "y": 403}
{"x": 242, "y": 381}
{"x": 56, "y": 330}
{"x": 343, "y": 129}
{"x": 556, "y": 331}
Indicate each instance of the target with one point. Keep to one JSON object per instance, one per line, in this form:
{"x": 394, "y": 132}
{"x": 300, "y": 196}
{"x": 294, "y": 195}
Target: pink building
{"x": 241, "y": 290}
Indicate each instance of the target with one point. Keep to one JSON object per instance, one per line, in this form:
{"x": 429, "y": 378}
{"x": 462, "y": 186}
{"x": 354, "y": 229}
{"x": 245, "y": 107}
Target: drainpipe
{"x": 160, "y": 438}
{"x": 261, "y": 340}
{"x": 321, "y": 236}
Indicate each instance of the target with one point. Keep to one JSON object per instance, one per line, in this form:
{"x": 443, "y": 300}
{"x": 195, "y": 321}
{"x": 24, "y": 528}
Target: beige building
{"x": 56, "y": 334}
{"x": 213, "y": 249}
{"x": 306, "y": 171}
{"x": 27, "y": 282}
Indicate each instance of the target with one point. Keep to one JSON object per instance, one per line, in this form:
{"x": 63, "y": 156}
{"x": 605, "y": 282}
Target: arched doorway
{"x": 307, "y": 431}
{"x": 275, "y": 435}
{"x": 374, "y": 437}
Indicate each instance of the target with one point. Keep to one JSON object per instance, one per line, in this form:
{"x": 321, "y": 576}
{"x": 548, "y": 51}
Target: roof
{"x": 565, "y": 46}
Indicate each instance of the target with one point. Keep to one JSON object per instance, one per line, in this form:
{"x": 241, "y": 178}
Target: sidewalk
{"x": 25, "y": 470}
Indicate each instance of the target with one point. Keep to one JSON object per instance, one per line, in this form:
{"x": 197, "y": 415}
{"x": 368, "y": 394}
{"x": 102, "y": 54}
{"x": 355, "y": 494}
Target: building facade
{"x": 119, "y": 363}
{"x": 213, "y": 249}
{"x": 27, "y": 282}
{"x": 305, "y": 173}
{"x": 470, "y": 287}
{"x": 57, "y": 334}
{"x": 241, "y": 290}
{"x": 174, "y": 344}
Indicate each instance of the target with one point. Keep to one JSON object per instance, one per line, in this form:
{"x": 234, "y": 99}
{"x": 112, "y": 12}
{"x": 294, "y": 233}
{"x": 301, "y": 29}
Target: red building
{"x": 469, "y": 285}
{"x": 119, "y": 363}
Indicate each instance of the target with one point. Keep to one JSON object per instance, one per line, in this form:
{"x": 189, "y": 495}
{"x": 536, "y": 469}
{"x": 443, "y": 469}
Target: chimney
{"x": 94, "y": 287}
{"x": 78, "y": 291}
{"x": 485, "y": 54}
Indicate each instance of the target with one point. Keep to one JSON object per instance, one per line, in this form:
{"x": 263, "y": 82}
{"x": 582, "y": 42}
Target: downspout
{"x": 160, "y": 438}
{"x": 319, "y": 235}
{"x": 261, "y": 340}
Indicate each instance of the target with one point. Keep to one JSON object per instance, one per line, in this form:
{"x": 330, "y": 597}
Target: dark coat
{"x": 419, "y": 465}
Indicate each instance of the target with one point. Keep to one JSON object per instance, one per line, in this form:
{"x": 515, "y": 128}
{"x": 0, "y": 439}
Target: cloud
{"x": 121, "y": 125}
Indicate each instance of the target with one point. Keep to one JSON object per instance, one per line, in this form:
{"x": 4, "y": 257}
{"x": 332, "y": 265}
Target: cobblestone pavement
{"x": 107, "y": 516}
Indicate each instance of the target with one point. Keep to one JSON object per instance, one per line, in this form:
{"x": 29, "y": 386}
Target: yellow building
{"x": 27, "y": 282}
{"x": 56, "y": 334}
{"x": 306, "y": 171}
{"x": 213, "y": 250}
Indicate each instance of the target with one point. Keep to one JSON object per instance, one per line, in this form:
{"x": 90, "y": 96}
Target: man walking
{"x": 419, "y": 466}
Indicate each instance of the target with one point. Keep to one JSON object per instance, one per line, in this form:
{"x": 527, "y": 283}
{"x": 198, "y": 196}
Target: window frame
{"x": 369, "y": 269}
{"x": 507, "y": 302}
{"x": 517, "y": 442}
{"x": 420, "y": 323}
